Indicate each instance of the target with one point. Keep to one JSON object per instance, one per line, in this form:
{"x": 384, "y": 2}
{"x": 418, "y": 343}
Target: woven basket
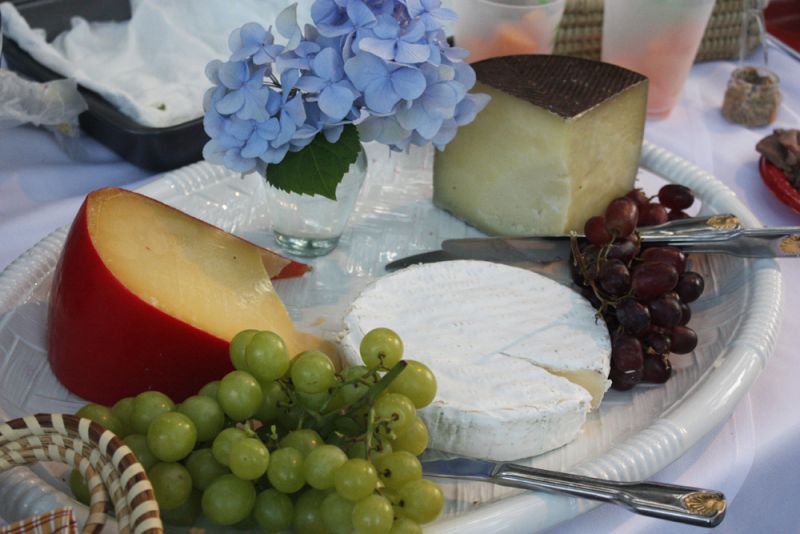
{"x": 115, "y": 477}
{"x": 581, "y": 30}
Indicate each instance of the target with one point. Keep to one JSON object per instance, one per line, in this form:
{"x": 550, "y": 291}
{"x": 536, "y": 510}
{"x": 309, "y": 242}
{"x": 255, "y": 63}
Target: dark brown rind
{"x": 566, "y": 86}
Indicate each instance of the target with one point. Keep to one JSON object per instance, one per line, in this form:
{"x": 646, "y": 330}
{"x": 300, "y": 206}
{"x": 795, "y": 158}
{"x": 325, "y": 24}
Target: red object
{"x": 783, "y": 21}
{"x": 776, "y": 181}
{"x": 106, "y": 343}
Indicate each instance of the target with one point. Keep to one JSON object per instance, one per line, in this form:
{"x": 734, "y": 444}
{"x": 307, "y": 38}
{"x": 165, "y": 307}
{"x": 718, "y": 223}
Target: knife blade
{"x": 684, "y": 504}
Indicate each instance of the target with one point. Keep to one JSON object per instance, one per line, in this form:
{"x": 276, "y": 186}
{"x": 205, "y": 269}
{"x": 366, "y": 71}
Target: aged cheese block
{"x": 147, "y": 297}
{"x": 560, "y": 138}
{"x": 517, "y": 356}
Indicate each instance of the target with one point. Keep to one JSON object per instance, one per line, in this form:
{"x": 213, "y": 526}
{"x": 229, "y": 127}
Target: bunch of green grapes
{"x": 288, "y": 443}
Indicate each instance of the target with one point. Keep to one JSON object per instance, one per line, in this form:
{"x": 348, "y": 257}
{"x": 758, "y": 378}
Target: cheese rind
{"x": 547, "y": 152}
{"x": 147, "y": 297}
{"x": 497, "y": 338}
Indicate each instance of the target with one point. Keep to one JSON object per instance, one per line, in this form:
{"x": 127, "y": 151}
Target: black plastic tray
{"x": 157, "y": 149}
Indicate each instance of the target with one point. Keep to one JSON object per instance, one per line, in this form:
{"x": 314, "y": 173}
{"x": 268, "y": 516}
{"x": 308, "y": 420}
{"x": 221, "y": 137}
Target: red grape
{"x": 675, "y": 215}
{"x": 651, "y": 279}
{"x": 614, "y": 278}
{"x": 666, "y": 254}
{"x": 622, "y": 214}
{"x": 657, "y": 369}
{"x": 658, "y": 342}
{"x": 690, "y": 286}
{"x": 638, "y": 196}
{"x": 665, "y": 310}
{"x": 595, "y": 231}
{"x": 676, "y": 197}
{"x": 624, "y": 380}
{"x": 633, "y": 316}
{"x": 624, "y": 249}
{"x": 684, "y": 340}
{"x": 652, "y": 214}
{"x": 626, "y": 353}
{"x": 686, "y": 314}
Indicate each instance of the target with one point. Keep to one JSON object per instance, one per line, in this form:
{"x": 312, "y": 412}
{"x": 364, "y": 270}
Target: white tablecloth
{"x": 753, "y": 457}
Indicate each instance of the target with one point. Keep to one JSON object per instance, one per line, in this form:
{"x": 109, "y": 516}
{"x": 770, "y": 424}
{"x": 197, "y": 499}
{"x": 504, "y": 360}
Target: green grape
{"x": 398, "y": 468}
{"x": 314, "y": 401}
{"x": 238, "y": 347}
{"x": 413, "y": 438}
{"x": 355, "y": 479}
{"x": 285, "y": 470}
{"x": 228, "y": 500}
{"x": 313, "y": 372}
{"x": 404, "y": 525}
{"x": 138, "y": 444}
{"x": 416, "y": 382}
{"x": 320, "y": 465}
{"x": 337, "y": 514}
{"x": 248, "y": 458}
{"x": 79, "y": 487}
{"x": 210, "y": 390}
{"x": 373, "y": 515}
{"x": 103, "y": 416}
{"x": 186, "y": 514}
{"x": 239, "y": 395}
{"x": 273, "y": 394}
{"x": 204, "y": 468}
{"x": 308, "y": 512}
{"x": 171, "y": 436}
{"x": 223, "y": 443}
{"x": 147, "y": 406}
{"x": 379, "y": 446}
{"x": 273, "y": 511}
{"x": 304, "y": 440}
{"x": 267, "y": 356}
{"x": 396, "y": 409}
{"x": 381, "y": 347}
{"x": 421, "y": 500}
{"x": 172, "y": 484}
{"x": 350, "y": 393}
{"x": 122, "y": 409}
{"x": 206, "y": 414}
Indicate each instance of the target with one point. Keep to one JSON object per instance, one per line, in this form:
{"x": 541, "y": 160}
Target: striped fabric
{"x": 114, "y": 476}
{"x": 58, "y": 521}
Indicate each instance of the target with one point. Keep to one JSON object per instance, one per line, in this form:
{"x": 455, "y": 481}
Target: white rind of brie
{"x": 497, "y": 338}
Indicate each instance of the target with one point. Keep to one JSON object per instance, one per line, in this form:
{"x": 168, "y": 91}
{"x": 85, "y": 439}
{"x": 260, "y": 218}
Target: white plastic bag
{"x": 56, "y": 104}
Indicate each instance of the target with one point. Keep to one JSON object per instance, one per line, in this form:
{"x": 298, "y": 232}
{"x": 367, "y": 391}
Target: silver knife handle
{"x": 699, "y": 507}
{"x": 749, "y": 243}
{"x": 724, "y": 224}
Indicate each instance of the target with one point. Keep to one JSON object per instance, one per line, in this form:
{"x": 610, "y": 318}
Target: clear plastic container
{"x": 658, "y": 38}
{"x": 493, "y": 28}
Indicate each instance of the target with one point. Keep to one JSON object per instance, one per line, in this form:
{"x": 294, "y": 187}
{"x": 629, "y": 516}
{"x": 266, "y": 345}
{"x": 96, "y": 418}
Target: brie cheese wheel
{"x": 517, "y": 356}
{"x": 559, "y": 140}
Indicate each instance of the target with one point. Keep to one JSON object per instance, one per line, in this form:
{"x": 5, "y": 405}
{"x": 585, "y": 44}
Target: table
{"x": 753, "y": 457}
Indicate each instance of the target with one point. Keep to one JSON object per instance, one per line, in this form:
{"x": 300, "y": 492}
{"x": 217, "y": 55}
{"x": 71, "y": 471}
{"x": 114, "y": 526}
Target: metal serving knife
{"x": 721, "y": 234}
{"x": 695, "y": 506}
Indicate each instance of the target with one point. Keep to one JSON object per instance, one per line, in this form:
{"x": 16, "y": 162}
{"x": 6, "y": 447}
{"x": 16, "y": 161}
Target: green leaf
{"x": 319, "y": 167}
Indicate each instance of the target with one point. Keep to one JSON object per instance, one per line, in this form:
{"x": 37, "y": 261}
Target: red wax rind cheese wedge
{"x": 146, "y": 297}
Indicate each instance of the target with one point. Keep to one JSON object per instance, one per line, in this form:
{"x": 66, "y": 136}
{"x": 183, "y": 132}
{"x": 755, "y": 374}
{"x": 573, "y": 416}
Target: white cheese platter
{"x": 631, "y": 435}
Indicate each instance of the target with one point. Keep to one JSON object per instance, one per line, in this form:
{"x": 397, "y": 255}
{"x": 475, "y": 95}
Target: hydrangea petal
{"x": 311, "y": 83}
{"x": 383, "y": 48}
{"x": 380, "y": 96}
{"x": 230, "y": 103}
{"x": 336, "y": 101}
{"x": 364, "y": 69}
{"x": 412, "y": 53}
{"x": 408, "y": 83}
{"x": 328, "y": 65}
{"x": 286, "y": 25}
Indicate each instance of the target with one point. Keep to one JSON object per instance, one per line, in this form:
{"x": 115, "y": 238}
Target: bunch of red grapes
{"x": 642, "y": 293}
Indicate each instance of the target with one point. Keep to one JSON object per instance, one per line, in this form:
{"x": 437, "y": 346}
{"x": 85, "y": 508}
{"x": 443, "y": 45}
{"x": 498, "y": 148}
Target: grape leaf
{"x": 317, "y": 168}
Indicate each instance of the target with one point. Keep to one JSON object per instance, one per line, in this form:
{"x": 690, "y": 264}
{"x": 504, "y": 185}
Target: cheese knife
{"x": 695, "y": 506}
{"x": 721, "y": 234}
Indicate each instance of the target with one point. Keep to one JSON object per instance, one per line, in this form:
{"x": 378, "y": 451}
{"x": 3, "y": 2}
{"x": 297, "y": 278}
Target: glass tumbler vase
{"x": 311, "y": 225}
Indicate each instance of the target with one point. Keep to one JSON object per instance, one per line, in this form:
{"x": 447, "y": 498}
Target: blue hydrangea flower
{"x": 383, "y": 84}
{"x": 341, "y": 17}
{"x": 336, "y": 93}
{"x": 430, "y": 13}
{"x": 246, "y": 96}
{"x": 392, "y": 43}
{"x": 253, "y": 42}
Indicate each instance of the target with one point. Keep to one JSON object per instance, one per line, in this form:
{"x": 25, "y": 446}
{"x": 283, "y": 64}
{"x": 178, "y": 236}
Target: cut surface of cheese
{"x": 517, "y": 356}
{"x": 147, "y": 297}
{"x": 559, "y": 140}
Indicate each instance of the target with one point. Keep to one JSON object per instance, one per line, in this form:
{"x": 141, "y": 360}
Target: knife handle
{"x": 720, "y": 224}
{"x": 694, "y": 506}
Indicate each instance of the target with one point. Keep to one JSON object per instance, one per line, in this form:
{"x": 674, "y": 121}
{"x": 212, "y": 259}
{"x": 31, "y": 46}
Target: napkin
{"x": 151, "y": 67}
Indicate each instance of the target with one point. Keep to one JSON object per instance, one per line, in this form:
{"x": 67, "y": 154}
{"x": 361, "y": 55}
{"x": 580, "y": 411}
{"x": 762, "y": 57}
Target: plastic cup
{"x": 658, "y": 38}
{"x": 492, "y": 28}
